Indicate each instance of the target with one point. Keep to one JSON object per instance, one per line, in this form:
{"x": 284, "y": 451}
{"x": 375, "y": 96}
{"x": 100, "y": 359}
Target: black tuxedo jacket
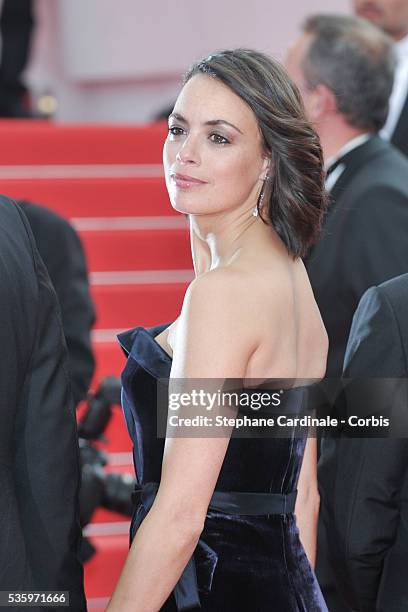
{"x": 364, "y": 482}
{"x": 364, "y": 240}
{"x": 399, "y": 136}
{"x": 39, "y": 461}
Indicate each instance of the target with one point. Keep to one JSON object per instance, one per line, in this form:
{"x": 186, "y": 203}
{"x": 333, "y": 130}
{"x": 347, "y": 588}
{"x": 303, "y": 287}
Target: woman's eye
{"x": 218, "y": 139}
{"x": 175, "y": 131}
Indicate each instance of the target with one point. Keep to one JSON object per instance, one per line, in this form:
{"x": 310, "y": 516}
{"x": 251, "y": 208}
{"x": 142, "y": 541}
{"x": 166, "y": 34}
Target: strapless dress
{"x": 249, "y": 557}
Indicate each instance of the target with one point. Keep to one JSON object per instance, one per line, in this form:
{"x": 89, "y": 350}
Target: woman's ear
{"x": 266, "y": 169}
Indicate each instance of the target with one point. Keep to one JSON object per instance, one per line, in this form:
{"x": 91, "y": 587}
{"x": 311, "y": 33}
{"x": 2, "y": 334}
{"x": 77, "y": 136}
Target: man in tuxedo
{"x": 392, "y": 17}
{"x": 344, "y": 68}
{"x": 39, "y": 462}
{"x": 368, "y": 501}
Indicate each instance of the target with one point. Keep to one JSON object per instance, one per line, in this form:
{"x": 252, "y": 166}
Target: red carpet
{"x": 123, "y": 306}
{"x": 39, "y": 142}
{"x": 108, "y": 181}
{"x": 93, "y": 197}
{"x": 137, "y": 250}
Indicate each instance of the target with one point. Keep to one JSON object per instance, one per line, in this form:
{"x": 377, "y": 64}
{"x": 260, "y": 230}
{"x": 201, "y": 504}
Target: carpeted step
{"x": 125, "y": 306}
{"x": 42, "y": 142}
{"x": 94, "y": 197}
{"x": 110, "y": 361}
{"x": 103, "y": 570}
{"x": 137, "y": 250}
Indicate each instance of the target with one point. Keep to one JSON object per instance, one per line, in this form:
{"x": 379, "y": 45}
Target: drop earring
{"x": 258, "y": 206}
{"x": 255, "y": 212}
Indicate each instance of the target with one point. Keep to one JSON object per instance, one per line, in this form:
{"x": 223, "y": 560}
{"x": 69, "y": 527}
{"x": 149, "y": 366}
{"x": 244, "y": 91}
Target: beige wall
{"x": 121, "y": 60}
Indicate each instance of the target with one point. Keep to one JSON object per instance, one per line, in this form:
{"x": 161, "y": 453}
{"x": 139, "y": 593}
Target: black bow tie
{"x": 333, "y": 166}
{"x": 349, "y": 158}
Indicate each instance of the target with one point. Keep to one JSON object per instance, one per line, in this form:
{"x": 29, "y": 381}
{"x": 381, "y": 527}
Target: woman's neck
{"x": 218, "y": 241}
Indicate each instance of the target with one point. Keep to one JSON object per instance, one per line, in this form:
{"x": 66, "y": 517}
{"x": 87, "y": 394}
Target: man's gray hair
{"x": 356, "y": 61}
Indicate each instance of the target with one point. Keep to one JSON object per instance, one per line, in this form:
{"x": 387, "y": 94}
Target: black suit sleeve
{"x": 47, "y": 474}
{"x": 70, "y": 279}
{"x": 374, "y": 347}
{"x": 62, "y": 253}
{"x": 377, "y": 240}
{"x": 370, "y": 472}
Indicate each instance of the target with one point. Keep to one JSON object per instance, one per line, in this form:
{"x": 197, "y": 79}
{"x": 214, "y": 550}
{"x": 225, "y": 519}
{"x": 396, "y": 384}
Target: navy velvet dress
{"x": 242, "y": 563}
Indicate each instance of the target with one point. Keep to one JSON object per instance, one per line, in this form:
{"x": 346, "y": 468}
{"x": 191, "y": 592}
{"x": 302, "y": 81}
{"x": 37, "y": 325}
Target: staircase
{"x": 107, "y": 180}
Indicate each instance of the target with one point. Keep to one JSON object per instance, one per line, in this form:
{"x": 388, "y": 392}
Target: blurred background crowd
{"x": 85, "y": 88}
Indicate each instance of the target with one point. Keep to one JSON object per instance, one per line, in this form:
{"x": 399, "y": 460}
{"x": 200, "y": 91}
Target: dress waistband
{"x": 230, "y": 502}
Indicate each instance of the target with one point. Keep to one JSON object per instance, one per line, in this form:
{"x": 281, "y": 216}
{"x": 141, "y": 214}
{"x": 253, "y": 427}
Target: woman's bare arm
{"x": 308, "y": 501}
{"x": 207, "y": 345}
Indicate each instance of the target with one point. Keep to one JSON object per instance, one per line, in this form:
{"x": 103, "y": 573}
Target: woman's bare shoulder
{"x": 213, "y": 279}
{"x": 239, "y": 297}
{"x": 223, "y": 283}
{"x": 220, "y": 295}
{"x": 214, "y": 337}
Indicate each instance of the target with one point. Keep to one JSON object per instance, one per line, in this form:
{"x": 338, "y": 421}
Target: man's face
{"x": 389, "y": 15}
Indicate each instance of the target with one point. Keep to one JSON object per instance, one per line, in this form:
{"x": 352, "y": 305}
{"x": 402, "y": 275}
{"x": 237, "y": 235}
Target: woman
{"x": 241, "y": 160}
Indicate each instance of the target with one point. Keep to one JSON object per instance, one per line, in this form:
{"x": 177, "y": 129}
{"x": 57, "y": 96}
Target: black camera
{"x": 99, "y": 489}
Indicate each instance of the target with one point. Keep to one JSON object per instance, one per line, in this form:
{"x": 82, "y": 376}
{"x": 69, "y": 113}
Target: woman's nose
{"x": 188, "y": 152}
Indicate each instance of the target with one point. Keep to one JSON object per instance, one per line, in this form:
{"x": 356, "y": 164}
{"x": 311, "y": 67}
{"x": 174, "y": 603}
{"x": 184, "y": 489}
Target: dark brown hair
{"x": 294, "y": 195}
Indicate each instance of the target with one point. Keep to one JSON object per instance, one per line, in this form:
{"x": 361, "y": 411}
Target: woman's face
{"x": 213, "y": 157}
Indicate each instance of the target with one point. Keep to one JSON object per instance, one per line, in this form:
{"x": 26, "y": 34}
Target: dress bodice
{"x": 249, "y": 556}
{"x": 250, "y": 464}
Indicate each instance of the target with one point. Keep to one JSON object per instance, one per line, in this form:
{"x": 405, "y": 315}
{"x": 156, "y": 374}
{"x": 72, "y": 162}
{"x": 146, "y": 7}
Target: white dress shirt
{"x": 399, "y": 90}
{"x": 349, "y": 146}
